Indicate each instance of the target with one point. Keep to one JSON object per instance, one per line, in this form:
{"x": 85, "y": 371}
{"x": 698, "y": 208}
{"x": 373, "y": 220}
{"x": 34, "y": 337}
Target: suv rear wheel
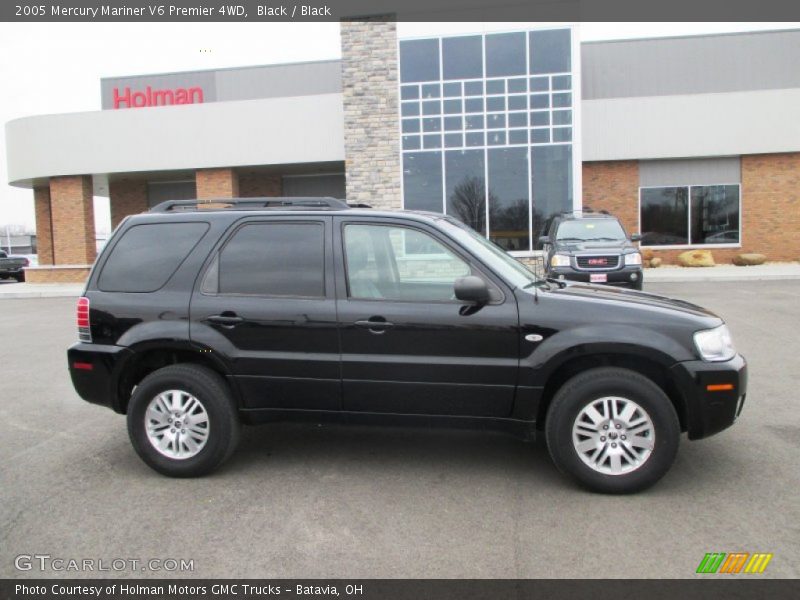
{"x": 613, "y": 430}
{"x": 182, "y": 420}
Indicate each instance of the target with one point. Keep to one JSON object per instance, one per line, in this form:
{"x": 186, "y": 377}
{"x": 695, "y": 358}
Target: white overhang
{"x": 692, "y": 125}
{"x": 270, "y": 131}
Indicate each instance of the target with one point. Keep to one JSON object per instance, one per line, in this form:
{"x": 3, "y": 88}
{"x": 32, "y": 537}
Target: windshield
{"x": 589, "y": 230}
{"x": 495, "y": 257}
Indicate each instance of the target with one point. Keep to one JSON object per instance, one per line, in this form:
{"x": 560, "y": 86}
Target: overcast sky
{"x": 54, "y": 68}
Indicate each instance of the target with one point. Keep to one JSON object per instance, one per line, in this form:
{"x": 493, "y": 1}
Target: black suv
{"x": 195, "y": 320}
{"x": 593, "y": 248}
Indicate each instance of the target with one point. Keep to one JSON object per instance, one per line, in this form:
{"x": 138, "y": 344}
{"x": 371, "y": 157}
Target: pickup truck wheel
{"x": 613, "y": 430}
{"x": 182, "y": 420}
{"x": 19, "y": 278}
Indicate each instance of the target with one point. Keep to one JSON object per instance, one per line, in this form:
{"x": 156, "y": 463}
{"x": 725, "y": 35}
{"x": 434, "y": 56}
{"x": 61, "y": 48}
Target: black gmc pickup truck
{"x": 195, "y": 321}
{"x": 12, "y": 266}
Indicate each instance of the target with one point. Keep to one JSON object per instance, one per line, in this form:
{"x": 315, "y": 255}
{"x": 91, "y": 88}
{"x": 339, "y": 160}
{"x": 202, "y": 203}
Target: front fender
{"x": 544, "y": 358}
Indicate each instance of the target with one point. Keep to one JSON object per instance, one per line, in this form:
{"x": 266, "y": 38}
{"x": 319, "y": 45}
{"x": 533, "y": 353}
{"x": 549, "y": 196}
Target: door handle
{"x": 226, "y": 319}
{"x": 375, "y": 326}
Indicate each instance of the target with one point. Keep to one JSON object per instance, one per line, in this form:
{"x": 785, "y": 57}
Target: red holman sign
{"x": 128, "y": 98}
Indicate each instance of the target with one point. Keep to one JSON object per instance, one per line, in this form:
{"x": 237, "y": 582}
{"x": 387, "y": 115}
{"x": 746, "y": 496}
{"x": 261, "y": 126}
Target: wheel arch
{"x": 640, "y": 363}
{"x": 147, "y": 357}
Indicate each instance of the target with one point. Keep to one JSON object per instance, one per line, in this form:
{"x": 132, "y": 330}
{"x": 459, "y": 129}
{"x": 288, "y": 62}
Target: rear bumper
{"x": 709, "y": 412}
{"x": 629, "y": 276}
{"x": 93, "y": 369}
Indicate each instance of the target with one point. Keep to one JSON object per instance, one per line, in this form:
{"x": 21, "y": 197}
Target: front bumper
{"x": 625, "y": 276}
{"x": 93, "y": 369}
{"x": 714, "y": 392}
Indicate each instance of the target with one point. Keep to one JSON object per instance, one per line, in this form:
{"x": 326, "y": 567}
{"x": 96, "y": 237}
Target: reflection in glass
{"x": 422, "y": 181}
{"x": 419, "y": 60}
{"x": 551, "y": 172}
{"x": 715, "y": 214}
{"x": 505, "y": 54}
{"x": 465, "y": 187}
{"x": 508, "y": 198}
{"x": 665, "y": 216}
{"x": 462, "y": 57}
{"x": 452, "y": 89}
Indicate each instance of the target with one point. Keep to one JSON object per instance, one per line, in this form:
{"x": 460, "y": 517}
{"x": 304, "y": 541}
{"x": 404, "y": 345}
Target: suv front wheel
{"x": 182, "y": 420}
{"x": 613, "y": 430}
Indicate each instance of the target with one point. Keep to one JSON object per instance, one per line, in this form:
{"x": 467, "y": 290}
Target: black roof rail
{"x": 309, "y": 203}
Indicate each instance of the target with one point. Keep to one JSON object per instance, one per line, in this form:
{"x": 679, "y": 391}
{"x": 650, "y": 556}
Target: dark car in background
{"x": 12, "y": 266}
{"x": 591, "y": 248}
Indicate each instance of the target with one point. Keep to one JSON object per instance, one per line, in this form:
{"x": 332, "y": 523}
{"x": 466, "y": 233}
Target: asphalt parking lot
{"x": 310, "y": 501}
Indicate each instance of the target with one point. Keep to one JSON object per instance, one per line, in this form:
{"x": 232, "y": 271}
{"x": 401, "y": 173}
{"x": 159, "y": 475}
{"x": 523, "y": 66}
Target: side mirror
{"x": 471, "y": 289}
{"x": 545, "y": 239}
{"x": 636, "y": 237}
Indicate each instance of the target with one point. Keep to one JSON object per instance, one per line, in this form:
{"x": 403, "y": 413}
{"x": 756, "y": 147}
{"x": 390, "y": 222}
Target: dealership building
{"x": 692, "y": 141}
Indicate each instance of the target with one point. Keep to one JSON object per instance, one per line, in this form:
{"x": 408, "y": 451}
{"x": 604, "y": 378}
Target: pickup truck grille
{"x": 597, "y": 263}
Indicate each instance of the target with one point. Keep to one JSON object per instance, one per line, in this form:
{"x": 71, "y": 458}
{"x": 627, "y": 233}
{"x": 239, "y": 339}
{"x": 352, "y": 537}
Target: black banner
{"x": 727, "y": 587}
{"x": 401, "y": 10}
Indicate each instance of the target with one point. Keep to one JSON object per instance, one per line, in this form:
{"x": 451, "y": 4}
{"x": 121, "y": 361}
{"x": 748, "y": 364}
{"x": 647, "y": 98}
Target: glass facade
{"x": 690, "y": 215}
{"x": 487, "y": 130}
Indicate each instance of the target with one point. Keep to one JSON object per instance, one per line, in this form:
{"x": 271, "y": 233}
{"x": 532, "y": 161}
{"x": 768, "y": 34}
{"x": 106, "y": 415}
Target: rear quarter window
{"x": 148, "y": 255}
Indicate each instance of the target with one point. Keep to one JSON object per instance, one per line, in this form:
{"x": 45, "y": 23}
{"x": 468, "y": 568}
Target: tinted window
{"x": 664, "y": 216}
{"x": 419, "y": 60}
{"x": 466, "y": 190}
{"x": 715, "y": 214}
{"x": 274, "y": 259}
{"x": 508, "y": 198}
{"x": 551, "y": 170}
{"x": 148, "y": 255}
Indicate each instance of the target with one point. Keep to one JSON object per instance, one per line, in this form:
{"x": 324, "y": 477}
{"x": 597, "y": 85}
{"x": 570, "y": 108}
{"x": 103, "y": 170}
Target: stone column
{"x": 217, "y": 183}
{"x": 371, "y": 128}
{"x": 127, "y": 197}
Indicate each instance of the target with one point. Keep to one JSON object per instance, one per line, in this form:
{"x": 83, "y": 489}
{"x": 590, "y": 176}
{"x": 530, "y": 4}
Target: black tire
{"x": 223, "y": 419}
{"x": 588, "y": 387}
{"x": 638, "y": 284}
{"x": 20, "y": 278}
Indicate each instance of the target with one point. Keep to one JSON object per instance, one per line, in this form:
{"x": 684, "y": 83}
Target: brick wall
{"x": 254, "y": 185}
{"x": 44, "y": 233}
{"x": 369, "y": 88}
{"x": 56, "y": 275}
{"x": 770, "y": 204}
{"x": 72, "y": 213}
{"x": 127, "y": 197}
{"x": 217, "y": 183}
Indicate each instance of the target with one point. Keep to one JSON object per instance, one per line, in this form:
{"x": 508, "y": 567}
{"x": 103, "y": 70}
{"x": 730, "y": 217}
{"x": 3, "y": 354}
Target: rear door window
{"x": 274, "y": 259}
{"x": 148, "y": 255}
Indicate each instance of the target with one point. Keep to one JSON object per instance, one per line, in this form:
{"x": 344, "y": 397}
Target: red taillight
{"x": 84, "y": 326}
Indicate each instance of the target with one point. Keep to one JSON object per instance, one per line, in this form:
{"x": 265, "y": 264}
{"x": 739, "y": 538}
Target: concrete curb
{"x": 39, "y": 291}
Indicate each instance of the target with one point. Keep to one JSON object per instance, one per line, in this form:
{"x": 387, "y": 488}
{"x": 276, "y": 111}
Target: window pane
{"x": 518, "y": 119}
{"x": 453, "y": 140}
{"x": 422, "y": 181}
{"x": 550, "y": 51}
{"x": 664, "y": 216}
{"x": 540, "y": 136}
{"x": 540, "y": 101}
{"x": 462, "y": 57}
{"x": 411, "y": 142}
{"x": 562, "y": 134}
{"x": 496, "y": 86}
{"x": 431, "y": 90}
{"x": 473, "y": 105}
{"x": 432, "y": 124}
{"x": 474, "y": 122}
{"x": 540, "y": 118}
{"x": 432, "y": 107}
{"x": 409, "y": 92}
{"x": 475, "y": 139}
{"x": 518, "y": 136}
{"x": 419, "y": 60}
{"x": 409, "y": 109}
{"x": 496, "y": 138}
{"x": 517, "y": 86}
{"x": 562, "y": 117}
{"x": 425, "y": 271}
{"x": 431, "y": 142}
{"x": 274, "y": 259}
{"x": 517, "y": 102}
{"x": 562, "y": 82}
{"x": 508, "y": 198}
{"x": 465, "y": 187}
{"x": 495, "y": 122}
{"x": 551, "y": 171}
{"x": 562, "y": 100}
{"x": 452, "y": 89}
{"x": 148, "y": 255}
{"x": 453, "y": 124}
{"x": 410, "y": 125}
{"x": 452, "y": 106}
{"x": 473, "y": 88}
{"x": 540, "y": 84}
{"x": 505, "y": 54}
{"x": 715, "y": 214}
{"x": 496, "y": 103}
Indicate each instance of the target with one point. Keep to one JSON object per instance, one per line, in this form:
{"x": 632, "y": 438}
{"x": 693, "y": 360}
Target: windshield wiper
{"x": 570, "y": 239}
{"x": 604, "y": 239}
{"x": 559, "y": 282}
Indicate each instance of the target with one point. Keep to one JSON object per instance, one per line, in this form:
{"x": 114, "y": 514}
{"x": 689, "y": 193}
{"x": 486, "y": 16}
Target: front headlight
{"x": 634, "y": 258}
{"x": 715, "y": 345}
{"x": 559, "y": 260}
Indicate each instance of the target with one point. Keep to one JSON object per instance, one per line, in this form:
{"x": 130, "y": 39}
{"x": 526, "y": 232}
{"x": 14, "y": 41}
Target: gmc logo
{"x": 151, "y": 97}
{"x": 598, "y": 261}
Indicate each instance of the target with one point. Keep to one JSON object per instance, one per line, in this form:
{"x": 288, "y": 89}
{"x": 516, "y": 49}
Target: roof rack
{"x": 586, "y": 211}
{"x": 271, "y": 203}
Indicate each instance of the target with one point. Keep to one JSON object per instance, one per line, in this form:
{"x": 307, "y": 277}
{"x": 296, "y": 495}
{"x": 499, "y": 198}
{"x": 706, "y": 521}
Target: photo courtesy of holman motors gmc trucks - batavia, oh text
{"x": 200, "y": 317}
